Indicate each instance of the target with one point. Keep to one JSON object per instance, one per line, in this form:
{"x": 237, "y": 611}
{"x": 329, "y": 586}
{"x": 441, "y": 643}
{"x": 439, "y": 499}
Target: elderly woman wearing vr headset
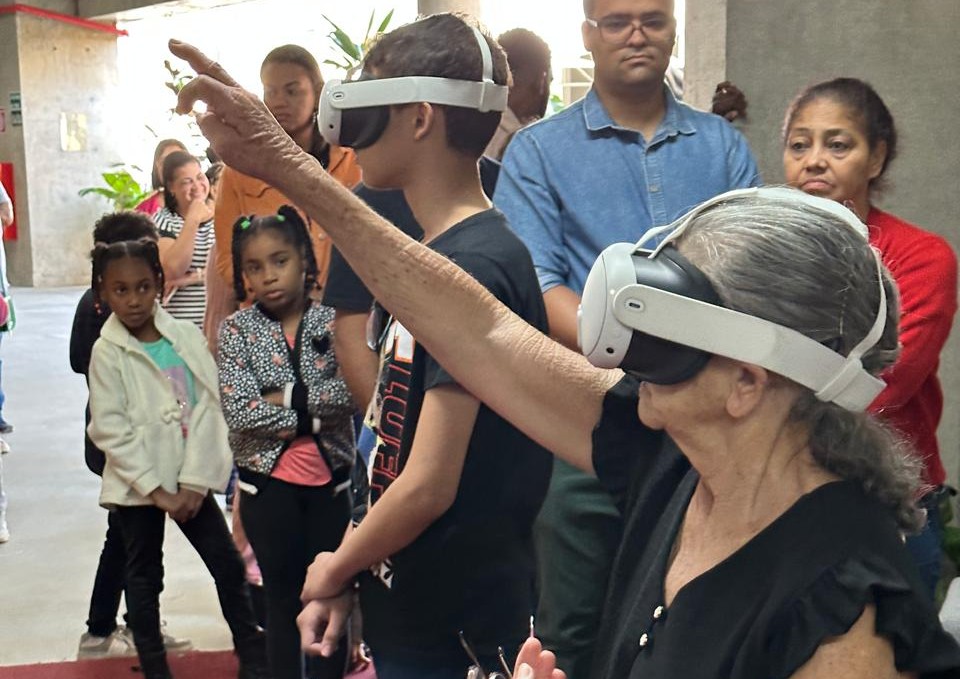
{"x": 764, "y": 510}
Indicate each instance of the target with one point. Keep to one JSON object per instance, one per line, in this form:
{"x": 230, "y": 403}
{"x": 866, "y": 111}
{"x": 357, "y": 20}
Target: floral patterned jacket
{"x": 255, "y": 359}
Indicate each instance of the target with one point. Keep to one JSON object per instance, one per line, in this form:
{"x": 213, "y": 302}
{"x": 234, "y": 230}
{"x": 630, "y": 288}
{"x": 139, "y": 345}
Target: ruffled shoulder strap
{"x": 836, "y": 599}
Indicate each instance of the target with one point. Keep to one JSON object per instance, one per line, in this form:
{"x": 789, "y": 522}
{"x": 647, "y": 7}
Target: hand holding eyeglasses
{"x": 535, "y": 663}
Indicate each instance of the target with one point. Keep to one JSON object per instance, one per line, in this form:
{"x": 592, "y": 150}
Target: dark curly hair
{"x": 124, "y": 225}
{"x": 290, "y": 225}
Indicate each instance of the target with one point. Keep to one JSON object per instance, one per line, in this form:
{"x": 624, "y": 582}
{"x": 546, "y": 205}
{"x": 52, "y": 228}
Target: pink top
{"x": 151, "y": 204}
{"x": 302, "y": 464}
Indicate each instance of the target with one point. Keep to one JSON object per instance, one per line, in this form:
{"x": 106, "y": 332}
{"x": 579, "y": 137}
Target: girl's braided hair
{"x": 104, "y": 253}
{"x": 290, "y": 225}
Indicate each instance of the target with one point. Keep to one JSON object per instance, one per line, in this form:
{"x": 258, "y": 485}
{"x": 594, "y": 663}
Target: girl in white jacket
{"x": 156, "y": 415}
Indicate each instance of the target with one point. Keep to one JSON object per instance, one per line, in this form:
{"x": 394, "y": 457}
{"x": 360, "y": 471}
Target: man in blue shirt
{"x": 625, "y": 158}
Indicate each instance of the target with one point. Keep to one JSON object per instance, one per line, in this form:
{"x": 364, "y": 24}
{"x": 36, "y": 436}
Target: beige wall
{"x": 907, "y": 49}
{"x": 58, "y": 69}
{"x": 434, "y": 6}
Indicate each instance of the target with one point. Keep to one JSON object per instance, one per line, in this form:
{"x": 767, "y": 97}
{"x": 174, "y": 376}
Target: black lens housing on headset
{"x": 656, "y": 360}
{"x": 362, "y": 127}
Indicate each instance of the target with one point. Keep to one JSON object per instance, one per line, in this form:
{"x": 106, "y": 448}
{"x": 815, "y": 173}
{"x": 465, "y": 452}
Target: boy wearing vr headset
{"x": 446, "y": 546}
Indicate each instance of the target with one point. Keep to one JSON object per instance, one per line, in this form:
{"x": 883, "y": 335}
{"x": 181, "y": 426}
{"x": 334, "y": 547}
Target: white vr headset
{"x": 355, "y": 114}
{"x": 655, "y": 315}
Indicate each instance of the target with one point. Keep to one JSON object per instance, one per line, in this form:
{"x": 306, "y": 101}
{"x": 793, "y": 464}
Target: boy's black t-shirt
{"x": 473, "y": 568}
{"x": 344, "y": 290}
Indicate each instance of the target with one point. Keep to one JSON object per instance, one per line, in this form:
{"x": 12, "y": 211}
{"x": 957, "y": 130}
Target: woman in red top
{"x": 839, "y": 140}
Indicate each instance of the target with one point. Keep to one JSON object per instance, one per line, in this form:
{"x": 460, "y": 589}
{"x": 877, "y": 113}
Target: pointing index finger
{"x": 211, "y": 84}
{"x": 200, "y": 62}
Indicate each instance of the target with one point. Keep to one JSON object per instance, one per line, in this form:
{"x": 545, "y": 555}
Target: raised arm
{"x": 549, "y": 392}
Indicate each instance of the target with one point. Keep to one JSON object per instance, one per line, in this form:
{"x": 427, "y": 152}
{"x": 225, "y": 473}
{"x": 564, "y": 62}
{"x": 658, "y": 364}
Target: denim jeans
{"x": 142, "y": 529}
{"x": 288, "y": 525}
{"x": 109, "y": 581}
{"x": 926, "y": 547}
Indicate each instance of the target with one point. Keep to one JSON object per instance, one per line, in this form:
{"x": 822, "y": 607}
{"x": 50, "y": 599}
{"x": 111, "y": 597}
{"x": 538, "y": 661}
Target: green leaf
{"x": 345, "y": 65}
{"x": 98, "y": 191}
{"x": 343, "y": 41}
{"x": 370, "y": 23}
{"x": 385, "y": 22}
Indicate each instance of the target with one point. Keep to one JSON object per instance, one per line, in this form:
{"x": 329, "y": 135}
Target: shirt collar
{"x": 676, "y": 120}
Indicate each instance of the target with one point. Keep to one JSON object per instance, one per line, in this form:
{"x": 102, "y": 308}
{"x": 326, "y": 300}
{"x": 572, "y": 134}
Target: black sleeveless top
{"x": 763, "y": 611}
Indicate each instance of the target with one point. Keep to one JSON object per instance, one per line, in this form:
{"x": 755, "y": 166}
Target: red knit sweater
{"x": 925, "y": 269}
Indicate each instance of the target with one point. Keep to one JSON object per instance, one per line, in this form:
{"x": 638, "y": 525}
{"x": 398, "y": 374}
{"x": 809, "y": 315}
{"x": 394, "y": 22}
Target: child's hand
{"x": 191, "y": 501}
{"x": 322, "y": 624}
{"x": 321, "y": 582}
{"x": 273, "y": 396}
{"x": 164, "y": 500}
{"x": 359, "y": 656}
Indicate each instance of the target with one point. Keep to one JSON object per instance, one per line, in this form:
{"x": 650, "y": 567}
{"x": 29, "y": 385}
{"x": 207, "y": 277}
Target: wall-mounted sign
{"x": 73, "y": 132}
{"x": 16, "y": 111}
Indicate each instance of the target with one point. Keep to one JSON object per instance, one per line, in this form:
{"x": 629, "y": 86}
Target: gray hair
{"x": 805, "y": 269}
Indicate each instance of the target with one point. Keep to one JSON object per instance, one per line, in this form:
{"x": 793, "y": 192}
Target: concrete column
{"x": 472, "y": 7}
{"x": 908, "y": 52}
{"x": 68, "y": 83}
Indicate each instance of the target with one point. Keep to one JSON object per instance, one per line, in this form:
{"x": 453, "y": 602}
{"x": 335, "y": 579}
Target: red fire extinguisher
{"x": 6, "y": 178}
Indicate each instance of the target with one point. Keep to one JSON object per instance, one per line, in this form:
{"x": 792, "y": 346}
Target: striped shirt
{"x": 189, "y": 302}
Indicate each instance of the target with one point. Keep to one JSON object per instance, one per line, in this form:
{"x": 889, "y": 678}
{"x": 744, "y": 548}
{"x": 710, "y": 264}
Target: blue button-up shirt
{"x": 577, "y": 182}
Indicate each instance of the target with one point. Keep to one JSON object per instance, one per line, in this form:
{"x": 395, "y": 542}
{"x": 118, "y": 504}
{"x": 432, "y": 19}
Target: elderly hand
{"x": 535, "y": 663}
{"x": 322, "y": 624}
{"x": 238, "y": 125}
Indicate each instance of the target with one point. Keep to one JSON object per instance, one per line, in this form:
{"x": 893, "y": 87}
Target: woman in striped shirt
{"x": 185, "y": 224}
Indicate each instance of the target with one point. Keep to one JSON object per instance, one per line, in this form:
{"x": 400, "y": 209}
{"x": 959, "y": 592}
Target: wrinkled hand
{"x": 322, "y": 624}
{"x": 535, "y": 663}
{"x": 729, "y": 101}
{"x": 320, "y": 582}
{"x": 238, "y": 125}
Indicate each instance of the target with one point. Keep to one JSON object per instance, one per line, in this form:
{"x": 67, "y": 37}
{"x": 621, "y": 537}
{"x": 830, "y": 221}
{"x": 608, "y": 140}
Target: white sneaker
{"x": 4, "y": 446}
{"x": 4, "y": 531}
{"x": 171, "y": 643}
{"x": 117, "y": 645}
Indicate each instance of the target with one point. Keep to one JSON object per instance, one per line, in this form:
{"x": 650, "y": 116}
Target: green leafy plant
{"x": 351, "y": 53}
{"x": 121, "y": 189}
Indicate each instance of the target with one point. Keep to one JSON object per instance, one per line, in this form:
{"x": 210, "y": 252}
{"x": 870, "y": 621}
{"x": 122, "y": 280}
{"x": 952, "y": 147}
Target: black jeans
{"x": 142, "y": 529}
{"x": 287, "y": 526}
{"x": 109, "y": 581}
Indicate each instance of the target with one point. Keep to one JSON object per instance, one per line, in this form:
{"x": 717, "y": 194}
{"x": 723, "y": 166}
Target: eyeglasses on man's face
{"x": 617, "y": 29}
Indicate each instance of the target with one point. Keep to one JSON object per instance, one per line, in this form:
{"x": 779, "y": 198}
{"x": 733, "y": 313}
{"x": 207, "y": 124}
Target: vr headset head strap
{"x": 631, "y": 306}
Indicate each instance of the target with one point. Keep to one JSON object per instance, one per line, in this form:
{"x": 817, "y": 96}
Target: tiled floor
{"x": 57, "y": 528}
